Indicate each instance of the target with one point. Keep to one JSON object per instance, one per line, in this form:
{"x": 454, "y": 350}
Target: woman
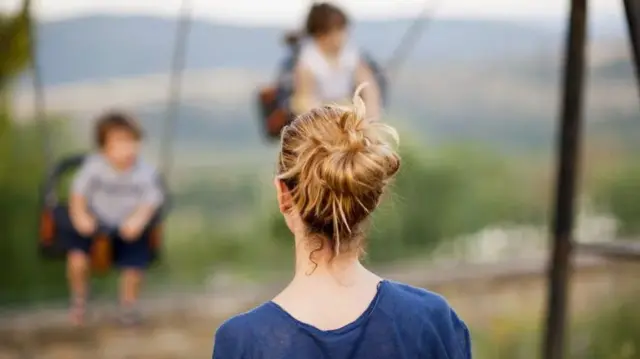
{"x": 333, "y": 167}
{"x": 328, "y": 67}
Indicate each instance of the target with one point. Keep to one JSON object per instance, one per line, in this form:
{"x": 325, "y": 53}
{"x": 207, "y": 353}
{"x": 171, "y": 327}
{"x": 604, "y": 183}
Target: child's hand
{"x": 132, "y": 229}
{"x": 85, "y": 224}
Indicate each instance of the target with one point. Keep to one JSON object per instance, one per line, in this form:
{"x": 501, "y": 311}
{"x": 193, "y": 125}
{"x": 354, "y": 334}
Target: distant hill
{"x": 102, "y": 47}
{"x": 491, "y": 81}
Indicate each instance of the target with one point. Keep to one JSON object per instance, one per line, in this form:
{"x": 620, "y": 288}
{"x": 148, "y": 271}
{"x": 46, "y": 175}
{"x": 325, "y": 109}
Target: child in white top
{"x": 329, "y": 68}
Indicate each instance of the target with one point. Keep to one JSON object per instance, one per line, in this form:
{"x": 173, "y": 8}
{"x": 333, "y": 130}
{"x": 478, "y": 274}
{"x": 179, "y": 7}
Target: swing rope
{"x": 39, "y": 101}
{"x": 175, "y": 87}
{"x": 410, "y": 37}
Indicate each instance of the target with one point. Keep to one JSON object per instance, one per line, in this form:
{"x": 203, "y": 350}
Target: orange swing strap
{"x": 101, "y": 253}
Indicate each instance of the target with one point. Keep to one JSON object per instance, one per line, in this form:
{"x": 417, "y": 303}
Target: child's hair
{"x": 337, "y": 164}
{"x": 115, "y": 120}
{"x": 321, "y": 20}
{"x": 324, "y": 18}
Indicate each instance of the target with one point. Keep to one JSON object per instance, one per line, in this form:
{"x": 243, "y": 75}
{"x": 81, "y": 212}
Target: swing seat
{"x": 101, "y": 253}
{"x": 274, "y": 117}
{"x": 55, "y": 223}
{"x": 55, "y": 227}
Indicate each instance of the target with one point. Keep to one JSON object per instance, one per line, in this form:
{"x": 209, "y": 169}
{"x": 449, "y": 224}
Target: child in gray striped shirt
{"x": 114, "y": 188}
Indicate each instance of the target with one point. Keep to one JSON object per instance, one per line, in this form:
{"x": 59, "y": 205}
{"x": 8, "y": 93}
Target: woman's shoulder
{"x": 430, "y": 314}
{"x": 246, "y": 320}
{"x": 420, "y": 305}
{"x": 416, "y": 297}
{"x": 237, "y": 334}
{"x": 254, "y": 320}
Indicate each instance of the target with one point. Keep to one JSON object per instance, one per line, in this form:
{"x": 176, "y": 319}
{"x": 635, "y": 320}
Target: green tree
{"x": 448, "y": 192}
{"x": 15, "y": 38}
{"x": 620, "y": 195}
{"x": 14, "y": 46}
{"x": 24, "y": 277}
{"x": 612, "y": 332}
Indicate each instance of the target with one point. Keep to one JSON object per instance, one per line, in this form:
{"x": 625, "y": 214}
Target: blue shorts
{"x": 126, "y": 255}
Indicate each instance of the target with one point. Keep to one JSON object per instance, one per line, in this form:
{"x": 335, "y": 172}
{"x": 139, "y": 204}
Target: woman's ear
{"x": 285, "y": 201}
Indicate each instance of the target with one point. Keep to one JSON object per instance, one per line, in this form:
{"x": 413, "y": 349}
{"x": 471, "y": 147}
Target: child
{"x": 329, "y": 68}
{"x": 116, "y": 189}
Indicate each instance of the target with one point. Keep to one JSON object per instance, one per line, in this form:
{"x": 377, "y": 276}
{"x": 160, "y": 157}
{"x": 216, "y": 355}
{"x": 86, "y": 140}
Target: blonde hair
{"x": 337, "y": 164}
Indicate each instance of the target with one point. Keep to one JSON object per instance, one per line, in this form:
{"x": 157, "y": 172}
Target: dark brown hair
{"x": 116, "y": 120}
{"x": 324, "y": 18}
{"x": 321, "y": 20}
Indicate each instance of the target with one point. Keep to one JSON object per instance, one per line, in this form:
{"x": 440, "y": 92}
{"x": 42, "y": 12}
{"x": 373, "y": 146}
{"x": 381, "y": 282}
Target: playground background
{"x": 476, "y": 104}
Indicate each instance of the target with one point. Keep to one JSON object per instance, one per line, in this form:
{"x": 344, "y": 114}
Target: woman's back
{"x": 400, "y": 322}
{"x": 332, "y": 170}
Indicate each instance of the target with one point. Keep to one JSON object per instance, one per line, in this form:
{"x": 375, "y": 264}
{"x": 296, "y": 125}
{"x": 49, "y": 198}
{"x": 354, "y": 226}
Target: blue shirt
{"x": 402, "y": 322}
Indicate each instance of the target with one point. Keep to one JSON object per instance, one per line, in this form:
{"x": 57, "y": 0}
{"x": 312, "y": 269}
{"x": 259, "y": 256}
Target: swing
{"x": 53, "y": 215}
{"x": 274, "y": 108}
{"x": 54, "y": 222}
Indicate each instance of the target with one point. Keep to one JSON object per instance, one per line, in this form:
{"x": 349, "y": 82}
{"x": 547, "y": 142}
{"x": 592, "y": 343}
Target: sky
{"x": 289, "y": 12}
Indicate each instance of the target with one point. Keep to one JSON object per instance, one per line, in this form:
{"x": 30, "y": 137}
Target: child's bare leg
{"x": 130, "y": 282}
{"x": 77, "y": 273}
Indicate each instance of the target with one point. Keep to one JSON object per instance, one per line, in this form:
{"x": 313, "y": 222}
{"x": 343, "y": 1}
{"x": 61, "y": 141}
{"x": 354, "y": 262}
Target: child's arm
{"x": 152, "y": 199}
{"x": 81, "y": 219}
{"x": 371, "y": 93}
{"x": 303, "y": 99}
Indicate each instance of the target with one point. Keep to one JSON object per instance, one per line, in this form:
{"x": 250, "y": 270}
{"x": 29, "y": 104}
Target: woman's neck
{"x": 326, "y": 285}
{"x": 323, "y": 266}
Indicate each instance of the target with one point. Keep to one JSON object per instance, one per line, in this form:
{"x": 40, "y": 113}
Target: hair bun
{"x": 360, "y": 156}
{"x": 359, "y": 107}
{"x": 352, "y": 123}
{"x": 337, "y": 164}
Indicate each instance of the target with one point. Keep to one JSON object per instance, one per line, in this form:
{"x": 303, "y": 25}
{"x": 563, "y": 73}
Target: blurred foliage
{"x": 610, "y": 332}
{"x": 447, "y": 193}
{"x": 619, "y": 194}
{"x": 24, "y": 274}
{"x": 219, "y": 194}
{"x": 15, "y": 37}
{"x": 508, "y": 337}
{"x": 21, "y": 168}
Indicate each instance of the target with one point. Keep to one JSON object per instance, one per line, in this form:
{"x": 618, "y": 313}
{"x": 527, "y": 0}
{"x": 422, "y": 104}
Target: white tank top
{"x": 334, "y": 82}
